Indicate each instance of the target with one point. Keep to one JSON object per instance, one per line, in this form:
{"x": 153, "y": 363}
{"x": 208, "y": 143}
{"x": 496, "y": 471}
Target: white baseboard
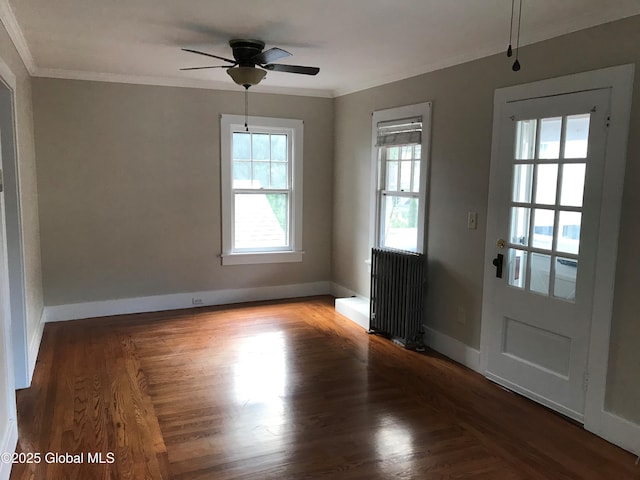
{"x": 8, "y": 442}
{"x": 34, "y": 345}
{"x": 619, "y": 431}
{"x": 452, "y": 348}
{"x": 157, "y": 303}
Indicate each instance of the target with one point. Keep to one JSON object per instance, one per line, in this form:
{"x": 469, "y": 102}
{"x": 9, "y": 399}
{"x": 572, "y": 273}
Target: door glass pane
{"x": 526, "y": 139}
{"x": 546, "y": 183}
{"x": 572, "y": 184}
{"x": 517, "y": 267}
{"x": 577, "y": 136}
{"x": 519, "y": 228}
{"x": 543, "y": 222}
{"x": 417, "y": 151}
{"x": 569, "y": 232}
{"x": 407, "y": 152}
{"x": 392, "y": 176}
{"x": 550, "y": 138}
{"x": 400, "y": 223}
{"x": 565, "y": 279}
{"x": 540, "y": 267}
{"x": 522, "y": 181}
{"x": 261, "y": 220}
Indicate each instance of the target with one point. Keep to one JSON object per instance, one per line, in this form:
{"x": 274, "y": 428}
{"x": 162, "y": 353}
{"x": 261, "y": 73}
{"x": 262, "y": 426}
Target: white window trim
{"x": 229, "y": 124}
{"x": 420, "y": 109}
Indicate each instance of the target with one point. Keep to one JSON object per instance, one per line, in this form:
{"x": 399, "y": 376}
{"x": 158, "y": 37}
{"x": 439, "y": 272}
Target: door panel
{"x": 545, "y": 195}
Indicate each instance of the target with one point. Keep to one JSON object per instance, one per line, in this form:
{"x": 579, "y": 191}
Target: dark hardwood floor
{"x": 287, "y": 390}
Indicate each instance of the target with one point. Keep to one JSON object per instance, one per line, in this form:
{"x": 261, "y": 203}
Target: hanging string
{"x": 510, "y": 50}
{"x": 246, "y": 108}
{"x": 516, "y": 64}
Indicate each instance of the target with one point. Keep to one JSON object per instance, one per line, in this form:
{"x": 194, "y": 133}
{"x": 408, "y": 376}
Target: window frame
{"x": 378, "y": 158}
{"x": 230, "y": 124}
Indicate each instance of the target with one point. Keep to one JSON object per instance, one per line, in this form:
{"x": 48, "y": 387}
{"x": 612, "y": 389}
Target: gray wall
{"x": 461, "y": 149}
{"x": 129, "y": 189}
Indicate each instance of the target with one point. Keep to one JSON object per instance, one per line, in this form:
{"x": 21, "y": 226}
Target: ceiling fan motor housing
{"x": 244, "y": 50}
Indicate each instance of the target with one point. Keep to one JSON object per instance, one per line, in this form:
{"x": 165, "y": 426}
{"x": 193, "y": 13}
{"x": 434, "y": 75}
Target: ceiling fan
{"x": 251, "y": 62}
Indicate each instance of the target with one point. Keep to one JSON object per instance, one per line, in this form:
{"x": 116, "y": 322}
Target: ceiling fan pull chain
{"x": 246, "y": 108}
{"x": 516, "y": 64}
{"x": 510, "y": 50}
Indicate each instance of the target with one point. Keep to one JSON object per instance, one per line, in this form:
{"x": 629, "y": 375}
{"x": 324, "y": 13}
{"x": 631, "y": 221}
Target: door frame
{"x": 22, "y": 365}
{"x": 620, "y": 81}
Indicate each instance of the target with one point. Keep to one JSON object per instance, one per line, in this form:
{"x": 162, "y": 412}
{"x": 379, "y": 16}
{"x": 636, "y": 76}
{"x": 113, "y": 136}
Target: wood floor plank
{"x": 282, "y": 390}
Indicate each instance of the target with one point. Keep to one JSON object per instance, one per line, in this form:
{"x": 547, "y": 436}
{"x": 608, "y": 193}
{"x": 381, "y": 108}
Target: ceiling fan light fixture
{"x": 246, "y": 76}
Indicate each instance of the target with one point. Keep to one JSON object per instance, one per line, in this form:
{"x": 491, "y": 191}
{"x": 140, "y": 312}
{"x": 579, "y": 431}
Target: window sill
{"x": 257, "y": 258}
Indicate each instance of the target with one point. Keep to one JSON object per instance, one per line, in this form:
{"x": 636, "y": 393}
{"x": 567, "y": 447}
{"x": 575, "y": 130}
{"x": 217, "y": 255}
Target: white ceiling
{"x": 356, "y": 43}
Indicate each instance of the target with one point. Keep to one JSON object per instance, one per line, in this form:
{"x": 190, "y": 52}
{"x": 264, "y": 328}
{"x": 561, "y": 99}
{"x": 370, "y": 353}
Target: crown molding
{"x": 8, "y": 19}
{"x": 173, "y": 82}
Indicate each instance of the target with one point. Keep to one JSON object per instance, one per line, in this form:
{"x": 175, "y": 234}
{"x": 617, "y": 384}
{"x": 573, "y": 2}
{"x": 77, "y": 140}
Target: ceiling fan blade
{"x": 201, "y": 68}
{"x": 209, "y": 55}
{"x": 270, "y": 55}
{"x": 278, "y": 67}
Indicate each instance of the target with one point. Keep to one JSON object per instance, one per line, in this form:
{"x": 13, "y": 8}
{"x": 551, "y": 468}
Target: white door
{"x": 545, "y": 198}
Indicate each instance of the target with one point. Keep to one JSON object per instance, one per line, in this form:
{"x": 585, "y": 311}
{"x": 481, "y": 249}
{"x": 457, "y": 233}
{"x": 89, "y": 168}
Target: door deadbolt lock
{"x": 497, "y": 262}
{"x": 501, "y": 243}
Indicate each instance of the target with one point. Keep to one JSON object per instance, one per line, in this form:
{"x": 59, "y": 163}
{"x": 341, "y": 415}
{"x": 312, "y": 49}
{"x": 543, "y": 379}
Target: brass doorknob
{"x": 501, "y": 243}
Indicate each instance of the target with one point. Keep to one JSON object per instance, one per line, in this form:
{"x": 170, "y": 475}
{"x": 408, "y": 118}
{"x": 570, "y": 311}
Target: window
{"x": 400, "y": 146}
{"x": 261, "y": 190}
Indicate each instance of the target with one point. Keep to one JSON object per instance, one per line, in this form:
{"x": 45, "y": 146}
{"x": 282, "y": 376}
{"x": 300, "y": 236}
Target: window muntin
{"x": 261, "y": 190}
{"x": 549, "y": 171}
{"x": 400, "y": 197}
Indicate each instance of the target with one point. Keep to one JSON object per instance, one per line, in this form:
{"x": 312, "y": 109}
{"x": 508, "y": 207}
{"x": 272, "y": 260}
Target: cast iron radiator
{"x": 397, "y": 295}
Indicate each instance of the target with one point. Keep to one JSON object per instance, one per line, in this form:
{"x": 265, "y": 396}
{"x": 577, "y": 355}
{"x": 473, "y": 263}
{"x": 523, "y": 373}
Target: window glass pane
{"x": 540, "y": 267}
{"x": 572, "y": 184}
{"x": 393, "y": 153}
{"x": 525, "y": 139}
{"x": 565, "y": 279}
{"x": 546, "y": 184}
{"x": 569, "y": 232}
{"x": 519, "y": 229}
{"x": 522, "y": 181}
{"x": 261, "y": 174}
{"x": 400, "y": 227}
{"x": 392, "y": 176}
{"x": 407, "y": 152}
{"x": 517, "y": 267}
{"x": 241, "y": 174}
{"x": 279, "y": 175}
{"x": 416, "y": 176}
{"x": 543, "y": 222}
{"x": 278, "y": 148}
{"x": 405, "y": 176}
{"x": 577, "y": 136}
{"x": 261, "y": 146}
{"x": 417, "y": 151}
{"x": 241, "y": 146}
{"x": 261, "y": 220}
{"x": 550, "y": 137}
